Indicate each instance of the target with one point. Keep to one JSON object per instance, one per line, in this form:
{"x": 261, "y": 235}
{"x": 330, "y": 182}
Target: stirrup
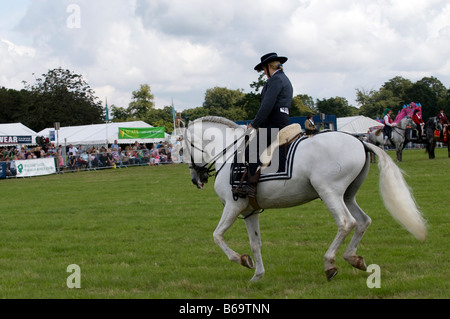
{"x": 240, "y": 191}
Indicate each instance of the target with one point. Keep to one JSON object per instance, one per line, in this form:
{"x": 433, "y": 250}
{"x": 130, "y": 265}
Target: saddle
{"x": 287, "y": 137}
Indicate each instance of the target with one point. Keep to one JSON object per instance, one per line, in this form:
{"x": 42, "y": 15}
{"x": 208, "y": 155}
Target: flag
{"x": 173, "y": 112}
{"x": 106, "y": 111}
{"x": 174, "y": 117}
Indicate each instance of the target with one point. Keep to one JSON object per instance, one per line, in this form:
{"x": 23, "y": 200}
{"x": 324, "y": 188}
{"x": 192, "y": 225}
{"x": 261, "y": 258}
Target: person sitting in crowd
{"x": 155, "y": 155}
{"x": 83, "y": 160}
{"x": 109, "y": 160}
{"x": 77, "y": 158}
{"x": 115, "y": 153}
{"x": 72, "y": 161}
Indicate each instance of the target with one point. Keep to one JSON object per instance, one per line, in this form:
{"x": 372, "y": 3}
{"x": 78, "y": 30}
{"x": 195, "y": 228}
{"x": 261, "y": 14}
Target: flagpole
{"x": 106, "y": 120}
{"x": 173, "y": 115}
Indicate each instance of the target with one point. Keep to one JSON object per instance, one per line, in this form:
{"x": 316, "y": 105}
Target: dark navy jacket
{"x": 276, "y": 99}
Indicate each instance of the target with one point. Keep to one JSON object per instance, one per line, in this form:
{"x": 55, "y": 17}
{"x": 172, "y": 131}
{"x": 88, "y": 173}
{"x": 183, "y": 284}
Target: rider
{"x": 442, "y": 117}
{"x": 310, "y": 127}
{"x": 276, "y": 99}
{"x": 388, "y": 124}
{"x": 444, "y": 122}
{"x": 419, "y": 122}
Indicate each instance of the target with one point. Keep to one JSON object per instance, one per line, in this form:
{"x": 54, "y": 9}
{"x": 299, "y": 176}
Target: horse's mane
{"x": 218, "y": 120}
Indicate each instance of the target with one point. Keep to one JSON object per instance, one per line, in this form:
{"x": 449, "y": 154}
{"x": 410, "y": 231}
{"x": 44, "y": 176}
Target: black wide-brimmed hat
{"x": 269, "y": 57}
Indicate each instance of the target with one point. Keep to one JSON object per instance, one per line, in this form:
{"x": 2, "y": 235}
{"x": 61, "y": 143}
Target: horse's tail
{"x": 397, "y": 196}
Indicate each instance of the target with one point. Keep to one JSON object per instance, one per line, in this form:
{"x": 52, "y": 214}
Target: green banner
{"x": 141, "y": 132}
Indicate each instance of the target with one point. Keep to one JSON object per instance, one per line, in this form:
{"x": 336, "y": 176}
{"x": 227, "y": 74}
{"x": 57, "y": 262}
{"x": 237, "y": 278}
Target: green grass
{"x": 146, "y": 232}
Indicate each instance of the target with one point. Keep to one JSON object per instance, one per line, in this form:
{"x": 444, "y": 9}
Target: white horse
{"x": 399, "y": 137}
{"x": 330, "y": 166}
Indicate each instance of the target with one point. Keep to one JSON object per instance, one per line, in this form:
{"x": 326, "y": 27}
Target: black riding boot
{"x": 252, "y": 183}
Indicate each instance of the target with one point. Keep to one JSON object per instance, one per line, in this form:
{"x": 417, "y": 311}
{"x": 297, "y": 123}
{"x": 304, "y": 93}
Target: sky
{"x": 183, "y": 48}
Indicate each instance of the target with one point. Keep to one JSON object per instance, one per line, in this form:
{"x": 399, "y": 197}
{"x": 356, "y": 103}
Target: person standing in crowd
{"x": 12, "y": 166}
{"x": 73, "y": 150}
{"x": 115, "y": 146}
{"x": 276, "y": 100}
{"x": 60, "y": 159}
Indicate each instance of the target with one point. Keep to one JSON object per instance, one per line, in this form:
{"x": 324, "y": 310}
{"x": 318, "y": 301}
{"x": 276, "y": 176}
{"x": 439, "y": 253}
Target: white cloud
{"x": 182, "y": 48}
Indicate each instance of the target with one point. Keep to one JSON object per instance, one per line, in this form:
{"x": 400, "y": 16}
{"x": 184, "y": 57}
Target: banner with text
{"x": 14, "y": 139}
{"x": 35, "y": 167}
{"x": 141, "y": 132}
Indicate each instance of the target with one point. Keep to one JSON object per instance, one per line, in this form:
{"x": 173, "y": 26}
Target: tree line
{"x": 63, "y": 96}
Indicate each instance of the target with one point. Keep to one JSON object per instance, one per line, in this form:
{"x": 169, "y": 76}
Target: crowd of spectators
{"x": 74, "y": 158}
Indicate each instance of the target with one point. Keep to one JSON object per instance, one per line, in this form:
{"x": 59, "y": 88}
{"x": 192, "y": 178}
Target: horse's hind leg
{"x": 252, "y": 224}
{"x": 345, "y": 223}
{"x": 362, "y": 220}
{"x": 362, "y": 223}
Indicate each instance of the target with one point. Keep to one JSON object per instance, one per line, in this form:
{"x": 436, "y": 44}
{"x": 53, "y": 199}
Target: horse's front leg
{"x": 252, "y": 224}
{"x": 399, "y": 152}
{"x": 229, "y": 216}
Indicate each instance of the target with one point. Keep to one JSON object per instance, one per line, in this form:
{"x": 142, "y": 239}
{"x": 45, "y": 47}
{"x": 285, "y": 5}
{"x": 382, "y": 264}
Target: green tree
{"x": 249, "y": 104}
{"x": 141, "y": 102}
{"x": 256, "y": 85}
{"x": 373, "y": 103}
{"x": 398, "y": 86}
{"x": 220, "y": 101}
{"x": 430, "y": 93}
{"x": 62, "y": 96}
{"x": 119, "y": 114}
{"x": 308, "y": 102}
{"x": 193, "y": 114}
{"x": 421, "y": 92}
{"x": 222, "y": 98}
{"x": 337, "y": 105}
{"x": 14, "y": 105}
{"x": 161, "y": 118}
{"x": 301, "y": 105}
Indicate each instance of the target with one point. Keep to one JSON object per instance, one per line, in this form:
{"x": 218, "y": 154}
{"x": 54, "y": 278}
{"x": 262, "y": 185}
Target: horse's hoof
{"x": 331, "y": 273}
{"x": 247, "y": 261}
{"x": 257, "y": 277}
{"x": 357, "y": 262}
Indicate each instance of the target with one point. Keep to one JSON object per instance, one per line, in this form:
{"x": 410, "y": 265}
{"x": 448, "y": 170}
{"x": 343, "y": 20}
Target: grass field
{"x": 146, "y": 232}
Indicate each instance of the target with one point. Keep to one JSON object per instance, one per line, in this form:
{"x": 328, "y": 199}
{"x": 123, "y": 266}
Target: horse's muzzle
{"x": 196, "y": 183}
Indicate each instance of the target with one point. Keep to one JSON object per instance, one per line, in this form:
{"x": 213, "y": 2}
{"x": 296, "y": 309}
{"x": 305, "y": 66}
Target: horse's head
{"x": 433, "y": 124}
{"x": 199, "y": 175}
{"x": 437, "y": 124}
{"x": 194, "y": 156}
{"x": 205, "y": 141}
{"x": 409, "y": 122}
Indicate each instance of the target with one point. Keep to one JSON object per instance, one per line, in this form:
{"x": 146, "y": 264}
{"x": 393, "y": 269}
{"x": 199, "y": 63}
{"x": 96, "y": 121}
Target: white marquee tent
{"x": 97, "y": 134}
{"x": 17, "y": 129}
{"x": 355, "y": 124}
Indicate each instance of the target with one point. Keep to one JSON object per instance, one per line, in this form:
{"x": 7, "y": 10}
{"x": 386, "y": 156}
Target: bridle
{"x": 400, "y": 128}
{"x": 209, "y": 167}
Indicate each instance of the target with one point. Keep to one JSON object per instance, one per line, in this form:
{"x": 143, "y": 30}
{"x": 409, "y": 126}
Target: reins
{"x": 209, "y": 166}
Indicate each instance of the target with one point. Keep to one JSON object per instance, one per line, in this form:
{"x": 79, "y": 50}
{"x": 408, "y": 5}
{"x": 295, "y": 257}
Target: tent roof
{"x": 97, "y": 134}
{"x": 355, "y": 124}
{"x": 17, "y": 129}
